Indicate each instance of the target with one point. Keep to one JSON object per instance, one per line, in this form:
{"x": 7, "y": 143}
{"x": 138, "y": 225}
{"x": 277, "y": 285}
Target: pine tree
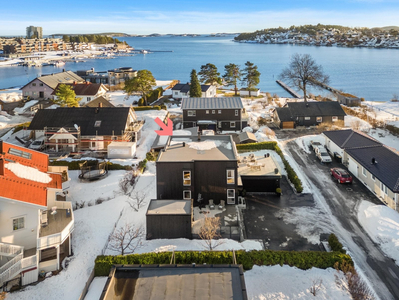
{"x": 209, "y": 74}
{"x": 66, "y": 96}
{"x": 195, "y": 87}
{"x": 251, "y": 76}
{"x": 142, "y": 83}
{"x": 232, "y": 75}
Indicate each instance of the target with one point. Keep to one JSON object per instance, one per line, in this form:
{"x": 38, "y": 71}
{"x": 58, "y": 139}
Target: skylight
{"x": 97, "y": 124}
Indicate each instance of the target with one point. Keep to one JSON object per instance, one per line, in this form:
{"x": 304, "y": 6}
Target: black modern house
{"x": 216, "y": 113}
{"x": 308, "y": 114}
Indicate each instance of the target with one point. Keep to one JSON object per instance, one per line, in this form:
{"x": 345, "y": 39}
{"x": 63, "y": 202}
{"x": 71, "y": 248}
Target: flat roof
{"x": 188, "y": 148}
{"x": 169, "y": 207}
{"x": 202, "y": 282}
{"x": 263, "y": 166}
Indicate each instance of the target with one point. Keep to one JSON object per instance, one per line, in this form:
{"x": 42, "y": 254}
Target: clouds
{"x": 136, "y": 20}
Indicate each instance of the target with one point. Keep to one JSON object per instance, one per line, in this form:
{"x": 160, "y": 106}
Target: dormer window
{"x": 97, "y": 124}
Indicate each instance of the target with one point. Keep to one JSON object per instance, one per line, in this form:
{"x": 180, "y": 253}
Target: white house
{"x": 86, "y": 91}
{"x": 181, "y": 90}
{"x": 244, "y": 92}
{"x": 36, "y": 221}
{"x": 371, "y": 162}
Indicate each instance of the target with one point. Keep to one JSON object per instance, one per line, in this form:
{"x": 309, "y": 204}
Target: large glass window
{"x": 319, "y": 119}
{"x": 20, "y": 153}
{"x": 230, "y": 195}
{"x": 18, "y": 223}
{"x": 186, "y": 177}
{"x": 230, "y": 177}
{"x": 191, "y": 113}
{"x": 232, "y": 124}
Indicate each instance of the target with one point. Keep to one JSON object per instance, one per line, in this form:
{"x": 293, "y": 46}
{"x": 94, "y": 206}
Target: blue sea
{"x": 365, "y": 72}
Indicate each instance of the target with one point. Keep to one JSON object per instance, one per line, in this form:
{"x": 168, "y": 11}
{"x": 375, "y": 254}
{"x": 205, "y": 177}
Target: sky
{"x": 176, "y": 16}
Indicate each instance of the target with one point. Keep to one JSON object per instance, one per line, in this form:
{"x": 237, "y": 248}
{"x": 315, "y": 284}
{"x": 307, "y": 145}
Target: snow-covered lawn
{"x": 11, "y": 95}
{"x": 382, "y": 225}
{"x": 276, "y": 282}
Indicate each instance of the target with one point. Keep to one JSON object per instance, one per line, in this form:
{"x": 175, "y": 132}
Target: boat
{"x": 144, "y": 51}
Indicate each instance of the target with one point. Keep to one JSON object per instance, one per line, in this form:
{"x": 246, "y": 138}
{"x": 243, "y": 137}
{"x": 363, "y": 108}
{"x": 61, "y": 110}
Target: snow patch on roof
{"x": 208, "y": 145}
{"x": 28, "y": 173}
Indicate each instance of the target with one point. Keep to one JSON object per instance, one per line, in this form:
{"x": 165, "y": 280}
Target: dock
{"x": 288, "y": 89}
{"x": 325, "y": 86}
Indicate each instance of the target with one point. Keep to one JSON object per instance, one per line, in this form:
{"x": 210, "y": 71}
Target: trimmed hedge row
{"x": 152, "y": 96}
{"x": 292, "y": 176}
{"x": 74, "y": 165}
{"x": 303, "y": 260}
{"x": 155, "y": 107}
{"x": 335, "y": 244}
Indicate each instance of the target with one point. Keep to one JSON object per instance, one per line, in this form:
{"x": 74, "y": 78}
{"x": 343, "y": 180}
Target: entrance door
{"x": 352, "y": 167}
{"x": 41, "y": 94}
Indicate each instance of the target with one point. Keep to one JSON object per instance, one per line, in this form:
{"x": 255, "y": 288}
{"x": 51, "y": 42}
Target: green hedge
{"x": 74, "y": 165}
{"x": 155, "y": 107}
{"x": 292, "y": 176}
{"x": 335, "y": 244}
{"x": 153, "y": 95}
{"x": 303, "y": 260}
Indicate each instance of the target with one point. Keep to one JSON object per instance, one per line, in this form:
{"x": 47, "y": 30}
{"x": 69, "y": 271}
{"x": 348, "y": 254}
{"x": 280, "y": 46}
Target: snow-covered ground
{"x": 11, "y": 95}
{"x": 382, "y": 225}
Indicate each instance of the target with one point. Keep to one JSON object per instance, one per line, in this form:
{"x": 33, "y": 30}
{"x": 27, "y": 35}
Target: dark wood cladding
{"x": 226, "y": 116}
{"x": 261, "y": 184}
{"x": 209, "y": 178}
{"x": 168, "y": 226}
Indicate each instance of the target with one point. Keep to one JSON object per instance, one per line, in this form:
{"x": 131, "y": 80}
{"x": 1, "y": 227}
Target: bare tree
{"x": 303, "y": 71}
{"x": 209, "y": 233}
{"x": 126, "y": 239}
{"x": 136, "y": 200}
{"x": 316, "y": 286}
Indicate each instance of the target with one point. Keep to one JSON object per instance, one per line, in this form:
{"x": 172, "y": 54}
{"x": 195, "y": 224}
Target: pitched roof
{"x": 99, "y": 101}
{"x": 246, "y": 136}
{"x": 24, "y": 187}
{"x": 113, "y": 119}
{"x": 185, "y": 87}
{"x": 82, "y": 89}
{"x": 284, "y": 114}
{"x": 315, "y": 109}
{"x": 347, "y": 139}
{"x": 386, "y": 166}
{"x": 52, "y": 80}
{"x": 212, "y": 103}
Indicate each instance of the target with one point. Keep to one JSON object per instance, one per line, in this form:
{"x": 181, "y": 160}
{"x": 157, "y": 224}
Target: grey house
{"x": 308, "y": 114}
{"x": 216, "y": 113}
{"x": 372, "y": 163}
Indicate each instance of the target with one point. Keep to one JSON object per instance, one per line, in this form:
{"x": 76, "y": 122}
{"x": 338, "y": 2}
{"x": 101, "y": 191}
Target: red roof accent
{"x": 20, "y": 189}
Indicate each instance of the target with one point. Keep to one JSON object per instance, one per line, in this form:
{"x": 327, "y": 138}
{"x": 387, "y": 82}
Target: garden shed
{"x": 121, "y": 149}
{"x": 169, "y": 219}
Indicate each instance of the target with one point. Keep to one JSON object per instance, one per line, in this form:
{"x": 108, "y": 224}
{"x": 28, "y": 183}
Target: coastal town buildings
{"x": 34, "y": 32}
{"x": 86, "y": 91}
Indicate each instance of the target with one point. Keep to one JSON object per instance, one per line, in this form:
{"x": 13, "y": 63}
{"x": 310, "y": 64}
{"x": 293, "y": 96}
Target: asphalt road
{"x": 342, "y": 201}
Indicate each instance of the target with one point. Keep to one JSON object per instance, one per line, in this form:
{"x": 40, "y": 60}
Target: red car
{"x": 341, "y": 175}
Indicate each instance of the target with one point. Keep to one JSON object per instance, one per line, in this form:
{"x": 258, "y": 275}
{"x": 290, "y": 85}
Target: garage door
{"x": 288, "y": 125}
{"x": 352, "y": 167}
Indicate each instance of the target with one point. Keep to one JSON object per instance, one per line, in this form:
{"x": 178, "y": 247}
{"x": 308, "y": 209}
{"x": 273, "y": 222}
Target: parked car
{"x": 314, "y": 145}
{"x": 323, "y": 155}
{"x": 341, "y": 175}
{"x": 37, "y": 144}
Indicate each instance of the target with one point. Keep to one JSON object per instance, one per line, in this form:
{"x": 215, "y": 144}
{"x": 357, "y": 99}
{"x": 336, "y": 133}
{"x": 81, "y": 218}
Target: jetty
{"x": 288, "y": 89}
{"x": 325, "y": 86}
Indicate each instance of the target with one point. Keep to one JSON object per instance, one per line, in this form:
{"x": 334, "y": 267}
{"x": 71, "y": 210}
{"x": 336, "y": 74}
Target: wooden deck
{"x": 56, "y": 223}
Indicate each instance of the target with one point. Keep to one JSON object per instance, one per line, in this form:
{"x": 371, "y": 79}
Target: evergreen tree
{"x": 65, "y": 38}
{"x": 251, "y": 76}
{"x": 142, "y": 83}
{"x": 209, "y": 74}
{"x": 195, "y": 87}
{"x": 232, "y": 75}
{"x": 66, "y": 96}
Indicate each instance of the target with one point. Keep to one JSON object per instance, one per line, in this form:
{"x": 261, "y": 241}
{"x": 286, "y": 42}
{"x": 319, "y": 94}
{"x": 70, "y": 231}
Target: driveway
{"x": 340, "y": 202}
{"x": 262, "y": 219}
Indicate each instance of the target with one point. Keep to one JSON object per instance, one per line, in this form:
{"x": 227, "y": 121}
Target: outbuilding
{"x": 169, "y": 219}
{"x": 121, "y": 149}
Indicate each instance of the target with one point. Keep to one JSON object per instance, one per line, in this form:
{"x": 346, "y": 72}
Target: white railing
{"x": 55, "y": 239}
{"x": 11, "y": 262}
{"x": 7, "y": 249}
{"x": 29, "y": 262}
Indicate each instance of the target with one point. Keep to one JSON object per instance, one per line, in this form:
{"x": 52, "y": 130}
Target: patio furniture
{"x": 211, "y": 204}
{"x": 221, "y": 205}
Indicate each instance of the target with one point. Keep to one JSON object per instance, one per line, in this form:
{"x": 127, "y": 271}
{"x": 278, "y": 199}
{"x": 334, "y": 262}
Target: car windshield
{"x": 345, "y": 175}
{"x": 36, "y": 142}
{"x": 324, "y": 154}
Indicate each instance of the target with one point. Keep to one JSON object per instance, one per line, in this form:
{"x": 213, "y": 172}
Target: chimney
{"x": 199, "y": 136}
{"x": 100, "y": 105}
{"x": 184, "y": 144}
{"x": 373, "y": 161}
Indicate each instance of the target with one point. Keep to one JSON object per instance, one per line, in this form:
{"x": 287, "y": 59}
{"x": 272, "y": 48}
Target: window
{"x": 213, "y": 111}
{"x": 334, "y": 118}
{"x": 364, "y": 172}
{"x": 186, "y": 177}
{"x": 33, "y": 84}
{"x": 97, "y": 124}
{"x": 236, "y": 113}
{"x": 373, "y": 177}
{"x": 114, "y": 138}
{"x": 307, "y": 118}
{"x": 383, "y": 188}
{"x": 41, "y": 84}
{"x": 219, "y": 111}
{"x": 232, "y": 124}
{"x": 18, "y": 223}
{"x": 88, "y": 99}
{"x": 191, "y": 113}
{"x": 319, "y": 119}
{"x": 220, "y": 124}
{"x": 187, "y": 194}
{"x": 20, "y": 153}
{"x": 230, "y": 195}
{"x": 176, "y": 93}
{"x": 207, "y": 112}
{"x": 230, "y": 177}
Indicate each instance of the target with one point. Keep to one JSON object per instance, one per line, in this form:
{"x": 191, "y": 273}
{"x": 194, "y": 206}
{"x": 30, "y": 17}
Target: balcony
{"x": 56, "y": 227}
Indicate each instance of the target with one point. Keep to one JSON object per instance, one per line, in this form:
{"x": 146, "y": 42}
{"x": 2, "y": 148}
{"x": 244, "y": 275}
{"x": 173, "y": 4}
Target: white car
{"x": 37, "y": 144}
{"x": 323, "y": 155}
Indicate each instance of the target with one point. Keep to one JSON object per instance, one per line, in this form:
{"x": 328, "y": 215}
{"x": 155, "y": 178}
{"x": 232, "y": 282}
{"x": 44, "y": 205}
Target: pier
{"x": 288, "y": 89}
{"x": 325, "y": 86}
